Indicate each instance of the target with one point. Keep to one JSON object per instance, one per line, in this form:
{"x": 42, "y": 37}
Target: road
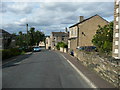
{"x": 45, "y": 69}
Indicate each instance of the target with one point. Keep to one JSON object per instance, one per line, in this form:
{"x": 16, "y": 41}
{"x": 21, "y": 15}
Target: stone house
{"x": 81, "y": 33}
{"x": 48, "y": 42}
{"x": 58, "y": 37}
{"x": 5, "y": 38}
{"x": 42, "y": 44}
{"x": 116, "y": 32}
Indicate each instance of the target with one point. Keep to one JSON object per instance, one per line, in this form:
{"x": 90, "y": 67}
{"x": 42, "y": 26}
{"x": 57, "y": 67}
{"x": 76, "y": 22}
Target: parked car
{"x": 36, "y": 49}
{"x": 88, "y": 48}
{"x": 26, "y": 48}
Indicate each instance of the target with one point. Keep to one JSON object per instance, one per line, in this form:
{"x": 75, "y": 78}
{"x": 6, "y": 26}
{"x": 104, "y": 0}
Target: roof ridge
{"x": 87, "y": 19}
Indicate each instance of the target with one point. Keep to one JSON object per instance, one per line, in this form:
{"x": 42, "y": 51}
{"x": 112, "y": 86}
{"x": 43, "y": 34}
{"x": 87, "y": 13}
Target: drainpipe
{"x": 77, "y": 35}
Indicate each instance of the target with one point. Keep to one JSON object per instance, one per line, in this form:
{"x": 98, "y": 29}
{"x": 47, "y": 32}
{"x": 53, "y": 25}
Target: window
{"x": 116, "y": 18}
{"x": 116, "y": 35}
{"x": 75, "y": 33}
{"x": 116, "y": 42}
{"x": 117, "y": 2}
{"x": 117, "y": 10}
{"x": 116, "y": 26}
{"x": 116, "y": 50}
{"x": 117, "y": 57}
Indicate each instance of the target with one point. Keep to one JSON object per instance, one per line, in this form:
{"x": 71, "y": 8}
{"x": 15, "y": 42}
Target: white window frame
{"x": 116, "y": 42}
{"x": 117, "y": 26}
{"x": 116, "y": 34}
{"x": 117, "y": 2}
{"x": 117, "y": 18}
{"x": 116, "y": 51}
{"x": 117, "y": 10}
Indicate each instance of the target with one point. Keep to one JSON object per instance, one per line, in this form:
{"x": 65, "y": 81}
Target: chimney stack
{"x": 66, "y": 30}
{"x": 81, "y": 18}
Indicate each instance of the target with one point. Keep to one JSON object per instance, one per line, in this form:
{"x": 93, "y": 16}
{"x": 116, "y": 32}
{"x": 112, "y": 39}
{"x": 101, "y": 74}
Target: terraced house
{"x": 81, "y": 33}
{"x": 116, "y": 33}
{"x": 58, "y": 37}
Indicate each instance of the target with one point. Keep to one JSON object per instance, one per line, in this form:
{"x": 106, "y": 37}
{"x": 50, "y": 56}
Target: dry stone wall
{"x": 107, "y": 68}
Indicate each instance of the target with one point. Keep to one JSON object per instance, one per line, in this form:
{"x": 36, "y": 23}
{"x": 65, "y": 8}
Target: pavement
{"x": 45, "y": 69}
{"x": 92, "y": 76}
{"x": 20, "y": 57}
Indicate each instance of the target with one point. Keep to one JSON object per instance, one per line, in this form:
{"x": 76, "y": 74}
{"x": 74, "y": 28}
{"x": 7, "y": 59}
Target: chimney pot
{"x": 81, "y": 18}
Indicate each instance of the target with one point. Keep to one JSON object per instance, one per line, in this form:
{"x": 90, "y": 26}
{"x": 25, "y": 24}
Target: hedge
{"x": 7, "y": 53}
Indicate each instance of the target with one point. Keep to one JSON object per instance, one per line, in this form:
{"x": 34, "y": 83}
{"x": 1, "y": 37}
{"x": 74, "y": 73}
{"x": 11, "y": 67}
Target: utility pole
{"x": 27, "y": 28}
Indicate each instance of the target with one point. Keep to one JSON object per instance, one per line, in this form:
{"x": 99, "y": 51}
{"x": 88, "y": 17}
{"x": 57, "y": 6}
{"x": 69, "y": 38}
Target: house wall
{"x": 88, "y": 29}
{"x": 58, "y": 38}
{"x": 119, "y": 29}
{"x": 73, "y": 44}
{"x": 52, "y": 41}
{"x": 116, "y": 34}
{"x": 73, "y": 32}
{"x": 48, "y": 42}
{"x": 73, "y": 38}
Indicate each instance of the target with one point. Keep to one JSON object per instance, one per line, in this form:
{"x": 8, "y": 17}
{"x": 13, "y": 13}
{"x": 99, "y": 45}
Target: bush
{"x": 61, "y": 44}
{"x": 7, "y": 53}
{"x": 103, "y": 38}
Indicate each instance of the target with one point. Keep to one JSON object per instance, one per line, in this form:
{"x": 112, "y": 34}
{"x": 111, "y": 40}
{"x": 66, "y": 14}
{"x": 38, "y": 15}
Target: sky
{"x": 50, "y": 16}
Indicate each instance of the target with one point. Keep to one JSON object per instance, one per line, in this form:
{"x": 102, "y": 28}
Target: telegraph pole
{"x": 27, "y": 28}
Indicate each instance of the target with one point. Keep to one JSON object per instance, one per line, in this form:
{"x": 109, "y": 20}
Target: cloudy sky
{"x": 50, "y": 16}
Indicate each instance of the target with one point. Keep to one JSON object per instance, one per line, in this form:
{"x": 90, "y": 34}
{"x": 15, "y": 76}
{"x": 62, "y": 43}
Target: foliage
{"x": 103, "y": 38}
{"x": 61, "y": 44}
{"x": 7, "y": 53}
{"x": 30, "y": 39}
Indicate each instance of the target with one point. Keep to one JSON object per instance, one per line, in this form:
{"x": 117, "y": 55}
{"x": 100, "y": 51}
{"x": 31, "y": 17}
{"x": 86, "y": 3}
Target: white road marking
{"x": 80, "y": 73}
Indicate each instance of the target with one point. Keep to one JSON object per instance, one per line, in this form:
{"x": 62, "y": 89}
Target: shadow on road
{"x": 15, "y": 61}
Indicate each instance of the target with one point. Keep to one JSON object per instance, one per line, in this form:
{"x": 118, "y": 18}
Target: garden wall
{"x": 107, "y": 68}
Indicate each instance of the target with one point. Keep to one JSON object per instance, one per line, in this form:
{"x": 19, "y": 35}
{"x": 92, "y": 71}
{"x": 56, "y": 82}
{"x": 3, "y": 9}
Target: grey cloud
{"x": 17, "y": 8}
{"x": 63, "y": 14}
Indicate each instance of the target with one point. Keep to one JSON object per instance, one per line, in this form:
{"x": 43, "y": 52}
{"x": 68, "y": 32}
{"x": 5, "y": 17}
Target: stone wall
{"x": 63, "y": 50}
{"x": 107, "y": 68}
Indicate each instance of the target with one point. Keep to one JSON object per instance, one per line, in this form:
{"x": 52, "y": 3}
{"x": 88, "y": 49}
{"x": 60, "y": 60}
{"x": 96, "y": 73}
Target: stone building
{"x": 48, "y": 42}
{"x": 81, "y": 33}
{"x": 5, "y": 38}
{"x": 58, "y": 37}
{"x": 116, "y": 32}
{"x": 42, "y": 44}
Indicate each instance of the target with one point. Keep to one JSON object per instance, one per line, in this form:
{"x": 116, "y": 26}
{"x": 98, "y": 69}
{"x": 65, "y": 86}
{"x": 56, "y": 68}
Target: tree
{"x": 31, "y": 35}
{"x": 103, "y": 38}
{"x": 21, "y": 39}
{"x": 30, "y": 39}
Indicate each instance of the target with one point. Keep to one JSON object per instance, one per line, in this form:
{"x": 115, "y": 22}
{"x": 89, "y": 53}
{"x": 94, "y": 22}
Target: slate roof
{"x": 87, "y": 20}
{"x": 59, "y": 34}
